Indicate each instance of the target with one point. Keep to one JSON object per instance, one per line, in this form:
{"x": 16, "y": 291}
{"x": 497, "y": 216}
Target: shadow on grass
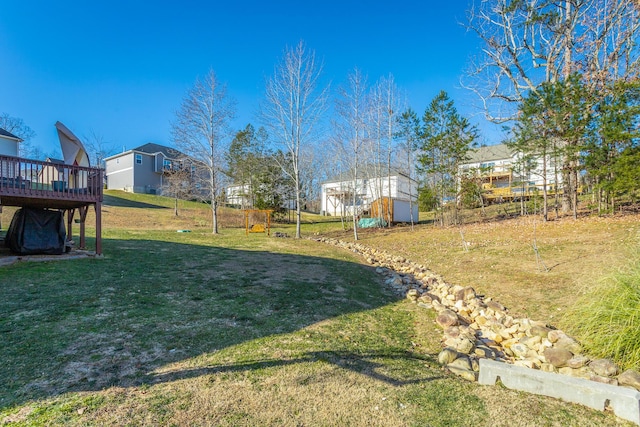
{"x": 125, "y": 203}
{"x": 85, "y": 325}
{"x": 366, "y": 364}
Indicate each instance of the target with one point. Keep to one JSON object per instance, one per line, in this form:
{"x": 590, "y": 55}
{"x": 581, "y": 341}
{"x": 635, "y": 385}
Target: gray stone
{"x": 428, "y": 298}
{"x": 496, "y": 306}
{"x": 462, "y": 362}
{"x": 540, "y": 331}
{"x": 603, "y": 380}
{"x": 485, "y": 351}
{"x": 630, "y": 378}
{"x": 547, "y": 367}
{"x": 577, "y": 361}
{"x": 604, "y": 367}
{"x": 520, "y": 350}
{"x": 413, "y": 295}
{"x": 584, "y": 372}
{"x": 570, "y": 344}
{"x": 447, "y": 318}
{"x": 554, "y": 335}
{"x": 624, "y": 402}
{"x": 558, "y": 357}
{"x": 531, "y": 342}
{"x": 467, "y": 374}
{"x": 447, "y": 356}
{"x": 464, "y": 345}
{"x": 465, "y": 294}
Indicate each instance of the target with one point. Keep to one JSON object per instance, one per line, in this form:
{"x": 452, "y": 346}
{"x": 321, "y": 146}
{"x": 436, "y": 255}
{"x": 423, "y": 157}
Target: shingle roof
{"x": 367, "y": 171}
{"x": 152, "y": 148}
{"x": 490, "y": 152}
{"x": 8, "y": 134}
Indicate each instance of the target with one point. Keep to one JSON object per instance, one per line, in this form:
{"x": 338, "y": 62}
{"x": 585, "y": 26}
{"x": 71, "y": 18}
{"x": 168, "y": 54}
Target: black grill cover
{"x": 36, "y": 231}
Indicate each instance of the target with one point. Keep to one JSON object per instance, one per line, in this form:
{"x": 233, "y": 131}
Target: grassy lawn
{"x": 193, "y": 329}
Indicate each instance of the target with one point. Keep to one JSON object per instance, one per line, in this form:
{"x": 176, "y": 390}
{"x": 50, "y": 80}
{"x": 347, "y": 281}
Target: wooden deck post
{"x": 83, "y": 216}
{"x": 70, "y": 213}
{"x": 98, "y": 208}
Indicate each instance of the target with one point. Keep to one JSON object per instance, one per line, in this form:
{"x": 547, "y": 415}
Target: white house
{"x": 501, "y": 168}
{"x": 337, "y": 193}
{"x": 239, "y": 195}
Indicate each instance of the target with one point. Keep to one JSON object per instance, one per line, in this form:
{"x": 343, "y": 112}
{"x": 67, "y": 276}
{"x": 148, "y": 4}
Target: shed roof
{"x": 368, "y": 171}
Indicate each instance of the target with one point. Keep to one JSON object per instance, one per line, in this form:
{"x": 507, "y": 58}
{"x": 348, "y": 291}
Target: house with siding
{"x": 141, "y": 170}
{"x": 9, "y": 146}
{"x": 373, "y": 183}
{"x": 503, "y": 174}
{"x": 9, "y": 143}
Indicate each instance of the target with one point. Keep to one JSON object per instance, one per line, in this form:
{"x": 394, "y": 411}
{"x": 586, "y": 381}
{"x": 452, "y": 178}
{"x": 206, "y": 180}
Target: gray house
{"x": 8, "y": 143}
{"x": 142, "y": 169}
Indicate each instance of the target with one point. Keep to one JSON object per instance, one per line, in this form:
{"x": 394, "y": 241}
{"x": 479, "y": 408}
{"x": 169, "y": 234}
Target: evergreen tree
{"x": 445, "y": 142}
{"x": 614, "y": 133}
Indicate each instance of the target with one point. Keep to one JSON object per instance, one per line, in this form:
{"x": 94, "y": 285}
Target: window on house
{"x": 166, "y": 164}
{"x": 139, "y": 159}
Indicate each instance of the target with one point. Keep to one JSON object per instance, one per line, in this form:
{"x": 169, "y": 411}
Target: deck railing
{"x": 27, "y": 178}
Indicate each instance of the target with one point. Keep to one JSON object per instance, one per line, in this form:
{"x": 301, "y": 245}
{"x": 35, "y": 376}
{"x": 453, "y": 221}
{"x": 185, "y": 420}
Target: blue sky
{"x": 120, "y": 69}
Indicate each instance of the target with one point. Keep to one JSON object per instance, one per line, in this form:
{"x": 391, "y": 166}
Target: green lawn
{"x": 193, "y": 329}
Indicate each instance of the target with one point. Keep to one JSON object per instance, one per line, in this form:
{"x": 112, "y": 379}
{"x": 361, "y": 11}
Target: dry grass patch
{"x": 193, "y": 329}
{"x": 501, "y": 262}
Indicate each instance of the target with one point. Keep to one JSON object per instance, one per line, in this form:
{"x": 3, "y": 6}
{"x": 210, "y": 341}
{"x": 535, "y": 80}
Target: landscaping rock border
{"x": 475, "y": 326}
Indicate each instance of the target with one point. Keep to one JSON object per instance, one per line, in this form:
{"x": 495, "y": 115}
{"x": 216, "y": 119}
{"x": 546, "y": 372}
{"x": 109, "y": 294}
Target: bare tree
{"x": 98, "y": 148}
{"x": 200, "y": 132}
{"x": 528, "y": 43}
{"x": 351, "y": 133}
{"x": 294, "y": 104}
{"x": 19, "y": 128}
{"x": 177, "y": 183}
{"x": 409, "y": 136}
{"x": 391, "y": 111}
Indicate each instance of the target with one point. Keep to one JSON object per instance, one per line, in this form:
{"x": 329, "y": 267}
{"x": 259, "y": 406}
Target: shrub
{"x": 606, "y": 319}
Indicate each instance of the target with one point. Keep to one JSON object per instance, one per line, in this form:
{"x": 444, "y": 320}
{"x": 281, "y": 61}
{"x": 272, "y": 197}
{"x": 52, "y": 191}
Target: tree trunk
{"x": 214, "y": 214}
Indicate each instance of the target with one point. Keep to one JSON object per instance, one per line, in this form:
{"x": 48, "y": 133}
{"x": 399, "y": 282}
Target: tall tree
{"x": 177, "y": 183}
{"x": 385, "y": 108}
{"x": 98, "y": 148}
{"x": 613, "y": 134}
{"x": 292, "y": 109}
{"x": 446, "y": 140}
{"x": 19, "y": 128}
{"x": 553, "y": 124}
{"x": 200, "y": 130}
{"x": 350, "y": 134}
{"x": 409, "y": 135}
{"x": 528, "y": 43}
{"x": 246, "y": 159}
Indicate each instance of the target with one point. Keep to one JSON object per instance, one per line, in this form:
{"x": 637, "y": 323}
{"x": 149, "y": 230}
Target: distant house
{"x": 503, "y": 174}
{"x": 371, "y": 185}
{"x": 238, "y": 195}
{"x": 9, "y": 143}
{"x": 141, "y": 170}
{"x": 54, "y": 171}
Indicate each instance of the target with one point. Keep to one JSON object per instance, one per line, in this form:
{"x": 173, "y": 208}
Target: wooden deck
{"x": 38, "y": 184}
